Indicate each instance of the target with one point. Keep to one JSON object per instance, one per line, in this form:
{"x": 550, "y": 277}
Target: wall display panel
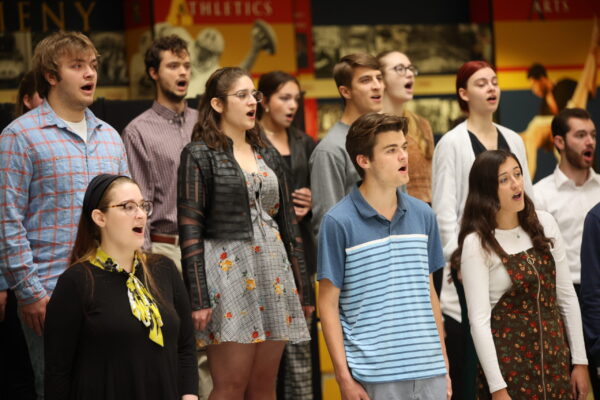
{"x": 23, "y": 23}
{"x": 563, "y": 39}
{"x": 434, "y": 49}
{"x": 257, "y": 35}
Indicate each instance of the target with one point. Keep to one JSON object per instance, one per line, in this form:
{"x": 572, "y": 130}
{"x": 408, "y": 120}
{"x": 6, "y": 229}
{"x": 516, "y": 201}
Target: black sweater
{"x": 95, "y": 349}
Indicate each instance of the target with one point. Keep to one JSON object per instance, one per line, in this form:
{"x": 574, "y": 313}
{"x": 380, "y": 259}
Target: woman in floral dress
{"x": 241, "y": 253}
{"x": 523, "y": 310}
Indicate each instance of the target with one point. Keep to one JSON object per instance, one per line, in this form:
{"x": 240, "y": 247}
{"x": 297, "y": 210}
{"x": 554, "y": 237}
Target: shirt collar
{"x": 561, "y": 179}
{"x": 365, "y": 209}
{"x": 169, "y": 114}
{"x": 48, "y": 117}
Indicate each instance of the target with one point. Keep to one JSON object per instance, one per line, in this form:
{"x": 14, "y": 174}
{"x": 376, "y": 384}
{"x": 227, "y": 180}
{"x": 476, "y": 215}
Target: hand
{"x": 302, "y": 199}
{"x": 34, "y": 315}
{"x": 352, "y": 390}
{"x": 189, "y": 397}
{"x": 3, "y": 297}
{"x": 308, "y": 310}
{"x": 448, "y": 387}
{"x": 501, "y": 394}
{"x": 579, "y": 382}
{"x": 201, "y": 318}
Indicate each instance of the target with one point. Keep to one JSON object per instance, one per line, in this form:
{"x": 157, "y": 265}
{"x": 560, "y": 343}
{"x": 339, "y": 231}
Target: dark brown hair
{"x": 363, "y": 134}
{"x": 344, "y": 69}
{"x": 269, "y": 84}
{"x": 462, "y": 78}
{"x": 26, "y": 88}
{"x": 48, "y": 52}
{"x": 482, "y": 204}
{"x": 88, "y": 239}
{"x": 208, "y": 127}
{"x": 560, "y": 122}
{"x": 172, "y": 43}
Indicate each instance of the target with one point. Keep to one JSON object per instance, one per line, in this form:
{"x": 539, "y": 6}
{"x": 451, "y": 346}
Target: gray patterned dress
{"x": 252, "y": 289}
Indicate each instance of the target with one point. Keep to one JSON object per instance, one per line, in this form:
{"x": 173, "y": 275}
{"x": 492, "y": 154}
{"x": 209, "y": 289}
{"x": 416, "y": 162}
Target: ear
{"x": 99, "y": 218}
{"x": 51, "y": 78}
{"x": 363, "y": 161}
{"x": 462, "y": 93}
{"x": 559, "y": 142}
{"x": 345, "y": 92}
{"x": 153, "y": 73}
{"x": 27, "y": 101}
{"x": 217, "y": 104}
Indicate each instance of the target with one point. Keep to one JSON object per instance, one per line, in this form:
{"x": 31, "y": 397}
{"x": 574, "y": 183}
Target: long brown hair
{"x": 208, "y": 127}
{"x": 26, "y": 88}
{"x": 88, "y": 239}
{"x": 482, "y": 204}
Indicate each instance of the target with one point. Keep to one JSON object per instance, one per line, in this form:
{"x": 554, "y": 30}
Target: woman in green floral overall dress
{"x": 523, "y": 310}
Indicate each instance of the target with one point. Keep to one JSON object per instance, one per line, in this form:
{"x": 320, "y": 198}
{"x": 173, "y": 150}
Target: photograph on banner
{"x": 15, "y": 58}
{"x": 442, "y": 112}
{"x": 258, "y": 36}
{"x": 434, "y": 49}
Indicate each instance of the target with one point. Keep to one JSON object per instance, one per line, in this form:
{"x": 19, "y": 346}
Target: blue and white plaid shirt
{"x": 45, "y": 168}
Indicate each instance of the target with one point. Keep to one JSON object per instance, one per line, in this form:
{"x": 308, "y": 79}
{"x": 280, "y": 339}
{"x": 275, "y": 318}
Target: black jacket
{"x": 212, "y": 203}
{"x": 298, "y": 176}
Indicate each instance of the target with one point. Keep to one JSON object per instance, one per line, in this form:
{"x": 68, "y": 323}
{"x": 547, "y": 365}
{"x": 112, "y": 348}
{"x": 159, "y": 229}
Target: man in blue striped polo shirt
{"x": 377, "y": 250}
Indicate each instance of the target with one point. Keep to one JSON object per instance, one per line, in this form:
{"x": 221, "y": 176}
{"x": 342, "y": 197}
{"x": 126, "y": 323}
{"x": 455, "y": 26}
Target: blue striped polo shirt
{"x": 382, "y": 269}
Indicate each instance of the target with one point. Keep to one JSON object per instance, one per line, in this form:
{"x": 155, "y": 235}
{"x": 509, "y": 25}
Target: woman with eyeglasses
{"x": 241, "y": 254}
{"x": 399, "y": 78}
{"x": 118, "y": 325}
{"x": 276, "y": 112}
{"x": 523, "y": 311}
{"x": 478, "y": 95}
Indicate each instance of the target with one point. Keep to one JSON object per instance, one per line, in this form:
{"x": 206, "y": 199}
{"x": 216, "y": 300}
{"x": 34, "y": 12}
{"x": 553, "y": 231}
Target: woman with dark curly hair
{"x": 523, "y": 310}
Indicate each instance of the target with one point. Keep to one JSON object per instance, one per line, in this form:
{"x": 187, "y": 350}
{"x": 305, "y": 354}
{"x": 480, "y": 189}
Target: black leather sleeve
{"x": 191, "y": 206}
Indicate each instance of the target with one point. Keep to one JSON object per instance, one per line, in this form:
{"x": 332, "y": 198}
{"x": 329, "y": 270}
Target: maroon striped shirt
{"x": 154, "y": 141}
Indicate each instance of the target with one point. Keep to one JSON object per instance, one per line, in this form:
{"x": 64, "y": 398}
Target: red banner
{"x": 223, "y": 11}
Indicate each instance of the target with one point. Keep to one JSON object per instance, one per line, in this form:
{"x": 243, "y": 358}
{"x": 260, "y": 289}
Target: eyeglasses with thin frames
{"x": 401, "y": 69}
{"x": 243, "y": 95}
{"x": 130, "y": 207}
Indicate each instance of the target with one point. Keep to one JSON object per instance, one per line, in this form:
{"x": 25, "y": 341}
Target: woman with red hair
{"x": 478, "y": 96}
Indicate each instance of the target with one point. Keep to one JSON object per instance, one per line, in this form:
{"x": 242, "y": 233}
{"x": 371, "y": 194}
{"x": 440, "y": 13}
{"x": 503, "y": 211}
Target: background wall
{"x": 307, "y": 37}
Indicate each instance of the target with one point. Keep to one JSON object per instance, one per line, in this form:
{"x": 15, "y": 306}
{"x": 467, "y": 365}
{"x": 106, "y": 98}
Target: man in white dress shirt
{"x": 573, "y": 189}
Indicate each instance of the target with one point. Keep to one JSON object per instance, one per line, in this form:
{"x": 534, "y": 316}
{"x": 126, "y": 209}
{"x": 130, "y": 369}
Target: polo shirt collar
{"x": 561, "y": 179}
{"x": 169, "y": 114}
{"x": 366, "y": 211}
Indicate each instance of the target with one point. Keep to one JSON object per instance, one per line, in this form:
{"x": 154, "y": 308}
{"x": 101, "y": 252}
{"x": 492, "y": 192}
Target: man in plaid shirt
{"x": 47, "y": 158}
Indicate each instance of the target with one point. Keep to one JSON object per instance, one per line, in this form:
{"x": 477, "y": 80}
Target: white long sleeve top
{"x": 485, "y": 280}
{"x": 452, "y": 160}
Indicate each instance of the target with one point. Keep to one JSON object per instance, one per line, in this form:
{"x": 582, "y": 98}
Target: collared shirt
{"x": 154, "y": 141}
{"x": 568, "y": 204}
{"x": 45, "y": 169}
{"x": 382, "y": 269}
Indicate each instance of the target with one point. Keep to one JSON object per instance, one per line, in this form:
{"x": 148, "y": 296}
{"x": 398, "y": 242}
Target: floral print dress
{"x": 529, "y": 332}
{"x": 252, "y": 289}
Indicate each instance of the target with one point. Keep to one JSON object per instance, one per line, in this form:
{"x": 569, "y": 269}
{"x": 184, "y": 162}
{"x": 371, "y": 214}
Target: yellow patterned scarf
{"x": 142, "y": 303}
